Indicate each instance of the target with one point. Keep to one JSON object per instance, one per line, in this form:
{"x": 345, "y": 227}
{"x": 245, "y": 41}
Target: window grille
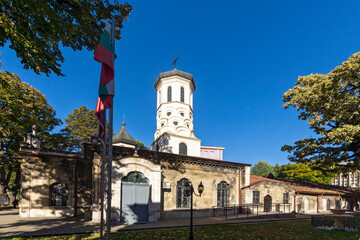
{"x": 58, "y": 195}
{"x": 182, "y": 201}
{"x": 256, "y": 196}
{"x": 286, "y": 198}
{"x": 222, "y": 194}
{"x": 135, "y": 177}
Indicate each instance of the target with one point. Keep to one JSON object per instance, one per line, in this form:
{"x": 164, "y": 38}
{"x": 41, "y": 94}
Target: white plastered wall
{"x": 150, "y": 170}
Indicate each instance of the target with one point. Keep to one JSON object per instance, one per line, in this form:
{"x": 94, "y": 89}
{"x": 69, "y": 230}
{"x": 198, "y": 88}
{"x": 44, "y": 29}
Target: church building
{"x": 149, "y": 185}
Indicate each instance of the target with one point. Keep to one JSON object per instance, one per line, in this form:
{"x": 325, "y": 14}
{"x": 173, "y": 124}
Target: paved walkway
{"x": 11, "y": 225}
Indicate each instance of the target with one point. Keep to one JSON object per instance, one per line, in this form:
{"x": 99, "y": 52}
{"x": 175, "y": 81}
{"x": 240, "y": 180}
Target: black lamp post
{"x": 189, "y": 191}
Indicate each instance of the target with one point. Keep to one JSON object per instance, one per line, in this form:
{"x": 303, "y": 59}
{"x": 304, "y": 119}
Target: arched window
{"x": 58, "y": 195}
{"x": 169, "y": 94}
{"x": 182, "y": 149}
{"x": 182, "y": 200}
{"x": 182, "y": 94}
{"x": 222, "y": 194}
{"x": 135, "y": 177}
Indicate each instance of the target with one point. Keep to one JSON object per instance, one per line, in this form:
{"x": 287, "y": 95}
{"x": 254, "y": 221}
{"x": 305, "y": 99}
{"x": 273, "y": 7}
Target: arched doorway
{"x": 267, "y": 203}
{"x": 134, "y": 198}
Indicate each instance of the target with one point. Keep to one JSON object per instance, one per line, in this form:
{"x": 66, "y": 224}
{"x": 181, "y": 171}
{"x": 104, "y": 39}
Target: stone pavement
{"x": 11, "y": 225}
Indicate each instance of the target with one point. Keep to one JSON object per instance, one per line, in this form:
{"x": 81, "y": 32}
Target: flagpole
{"x": 102, "y": 186}
{"x": 109, "y": 165}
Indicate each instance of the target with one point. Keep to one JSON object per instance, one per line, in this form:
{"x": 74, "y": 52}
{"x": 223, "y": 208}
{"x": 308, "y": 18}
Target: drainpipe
{"x": 240, "y": 192}
{"x": 317, "y": 204}
{"x": 295, "y": 202}
{"x": 75, "y": 187}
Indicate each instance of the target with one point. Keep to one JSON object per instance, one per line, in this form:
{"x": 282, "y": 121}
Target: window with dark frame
{"x": 223, "y": 194}
{"x": 256, "y": 196}
{"x": 182, "y": 94}
{"x": 286, "y": 198}
{"x": 182, "y": 201}
{"x": 182, "y": 149}
{"x": 169, "y": 94}
{"x": 58, "y": 195}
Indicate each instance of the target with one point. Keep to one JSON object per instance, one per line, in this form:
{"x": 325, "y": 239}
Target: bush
{"x": 321, "y": 221}
{"x": 352, "y": 223}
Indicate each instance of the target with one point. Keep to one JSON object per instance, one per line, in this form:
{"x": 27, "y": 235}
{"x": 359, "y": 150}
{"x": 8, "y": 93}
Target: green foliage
{"x": 36, "y": 29}
{"x": 330, "y": 104}
{"x": 302, "y": 172}
{"x": 141, "y": 145}
{"x": 22, "y": 106}
{"x": 262, "y": 169}
{"x": 80, "y": 125}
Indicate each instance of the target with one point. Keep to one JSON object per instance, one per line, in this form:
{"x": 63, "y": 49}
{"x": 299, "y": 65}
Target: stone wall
{"x": 209, "y": 175}
{"x": 40, "y": 170}
{"x": 304, "y": 203}
{"x": 274, "y": 189}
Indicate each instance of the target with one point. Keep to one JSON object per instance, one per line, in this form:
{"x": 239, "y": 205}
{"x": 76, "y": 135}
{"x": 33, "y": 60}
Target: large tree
{"x": 141, "y": 145}
{"x": 81, "y": 124}
{"x": 37, "y": 29}
{"x": 301, "y": 171}
{"x": 330, "y": 104}
{"x": 21, "y": 107}
{"x": 262, "y": 169}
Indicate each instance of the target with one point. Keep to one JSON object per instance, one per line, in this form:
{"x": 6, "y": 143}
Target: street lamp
{"x": 189, "y": 191}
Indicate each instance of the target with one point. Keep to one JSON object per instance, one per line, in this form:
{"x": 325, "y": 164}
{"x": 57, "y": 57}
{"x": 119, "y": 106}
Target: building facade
{"x": 346, "y": 180}
{"x": 148, "y": 185}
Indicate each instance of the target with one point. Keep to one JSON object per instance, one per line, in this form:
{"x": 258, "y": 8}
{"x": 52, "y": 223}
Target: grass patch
{"x": 301, "y": 229}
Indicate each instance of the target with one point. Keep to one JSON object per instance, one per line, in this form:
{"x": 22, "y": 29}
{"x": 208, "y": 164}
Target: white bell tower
{"x": 174, "y": 115}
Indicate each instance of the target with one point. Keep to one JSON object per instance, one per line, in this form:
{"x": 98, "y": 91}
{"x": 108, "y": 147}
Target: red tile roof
{"x": 307, "y": 187}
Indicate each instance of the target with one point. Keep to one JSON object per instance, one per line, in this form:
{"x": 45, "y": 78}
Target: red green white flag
{"x": 104, "y": 54}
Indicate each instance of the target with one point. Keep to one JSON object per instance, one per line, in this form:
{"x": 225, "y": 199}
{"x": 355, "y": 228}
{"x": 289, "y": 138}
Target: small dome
{"x": 123, "y": 137}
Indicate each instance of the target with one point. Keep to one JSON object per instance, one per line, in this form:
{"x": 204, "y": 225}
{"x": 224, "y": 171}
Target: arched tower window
{"x": 182, "y": 94}
{"x": 58, "y": 195}
{"x": 169, "y": 94}
{"x": 222, "y": 194}
{"x": 182, "y": 200}
{"x": 182, "y": 149}
{"x": 135, "y": 177}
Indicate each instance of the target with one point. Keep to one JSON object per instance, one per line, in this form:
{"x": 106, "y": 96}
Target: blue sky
{"x": 243, "y": 55}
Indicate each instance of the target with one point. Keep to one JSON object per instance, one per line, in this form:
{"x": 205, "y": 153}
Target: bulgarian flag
{"x": 104, "y": 54}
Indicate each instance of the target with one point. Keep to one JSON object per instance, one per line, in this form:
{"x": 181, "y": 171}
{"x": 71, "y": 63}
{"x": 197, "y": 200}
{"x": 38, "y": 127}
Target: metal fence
{"x": 251, "y": 209}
